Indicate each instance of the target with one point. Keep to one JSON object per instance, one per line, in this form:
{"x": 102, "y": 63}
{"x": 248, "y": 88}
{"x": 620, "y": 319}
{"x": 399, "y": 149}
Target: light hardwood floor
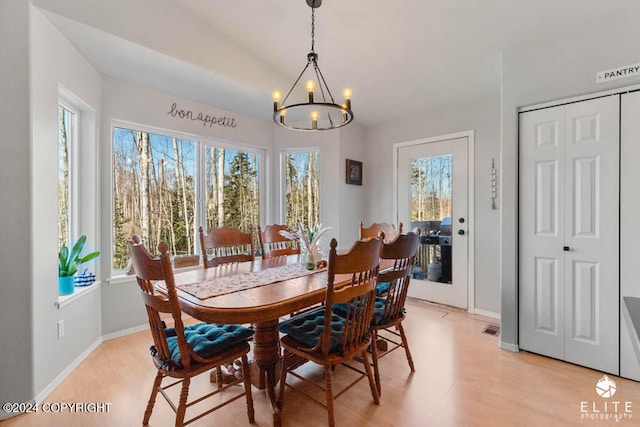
{"x": 462, "y": 378}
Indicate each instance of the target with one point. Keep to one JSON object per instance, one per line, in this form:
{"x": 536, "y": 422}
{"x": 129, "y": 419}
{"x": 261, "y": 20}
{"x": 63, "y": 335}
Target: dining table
{"x": 258, "y": 292}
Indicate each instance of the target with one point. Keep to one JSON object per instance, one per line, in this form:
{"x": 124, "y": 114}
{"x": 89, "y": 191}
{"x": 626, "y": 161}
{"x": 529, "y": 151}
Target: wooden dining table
{"x": 262, "y": 305}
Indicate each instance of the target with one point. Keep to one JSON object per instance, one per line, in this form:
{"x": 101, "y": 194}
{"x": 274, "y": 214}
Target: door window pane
{"x": 431, "y": 207}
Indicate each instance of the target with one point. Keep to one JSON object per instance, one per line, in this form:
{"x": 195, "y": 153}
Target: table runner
{"x": 240, "y": 282}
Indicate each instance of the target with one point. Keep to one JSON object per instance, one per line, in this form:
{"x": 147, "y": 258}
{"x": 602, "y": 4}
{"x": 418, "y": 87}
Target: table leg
{"x": 266, "y": 353}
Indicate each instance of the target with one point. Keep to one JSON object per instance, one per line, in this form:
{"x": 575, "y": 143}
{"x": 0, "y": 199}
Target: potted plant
{"x": 69, "y": 262}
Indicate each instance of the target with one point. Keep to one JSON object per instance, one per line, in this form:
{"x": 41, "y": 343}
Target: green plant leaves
{"x": 69, "y": 261}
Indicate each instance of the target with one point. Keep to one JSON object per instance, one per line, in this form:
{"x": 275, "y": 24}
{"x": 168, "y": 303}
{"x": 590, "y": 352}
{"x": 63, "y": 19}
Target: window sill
{"x": 78, "y": 292}
{"x": 131, "y": 278}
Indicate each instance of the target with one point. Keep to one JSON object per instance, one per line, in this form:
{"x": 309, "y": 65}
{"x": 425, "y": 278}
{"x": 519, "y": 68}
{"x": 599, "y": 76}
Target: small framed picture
{"x": 354, "y": 172}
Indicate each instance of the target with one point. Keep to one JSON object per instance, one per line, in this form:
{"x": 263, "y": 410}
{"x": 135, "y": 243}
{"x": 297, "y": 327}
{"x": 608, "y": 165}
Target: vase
{"x": 312, "y": 256}
{"x": 65, "y": 285}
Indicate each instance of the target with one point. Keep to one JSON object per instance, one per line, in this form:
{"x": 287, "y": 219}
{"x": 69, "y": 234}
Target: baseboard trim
{"x": 73, "y": 365}
{"x": 486, "y": 313}
{"x": 125, "y": 332}
{"x": 509, "y": 347}
{"x": 65, "y": 373}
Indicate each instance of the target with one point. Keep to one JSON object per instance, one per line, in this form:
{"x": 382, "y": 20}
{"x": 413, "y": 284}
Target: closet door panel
{"x": 591, "y": 231}
{"x": 541, "y": 223}
{"x": 629, "y": 229}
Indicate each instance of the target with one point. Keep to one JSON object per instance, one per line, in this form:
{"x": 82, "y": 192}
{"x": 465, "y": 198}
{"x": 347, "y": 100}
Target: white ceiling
{"x": 397, "y": 56}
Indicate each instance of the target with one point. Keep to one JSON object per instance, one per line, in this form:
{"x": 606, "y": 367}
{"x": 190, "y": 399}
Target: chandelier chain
{"x": 313, "y": 28}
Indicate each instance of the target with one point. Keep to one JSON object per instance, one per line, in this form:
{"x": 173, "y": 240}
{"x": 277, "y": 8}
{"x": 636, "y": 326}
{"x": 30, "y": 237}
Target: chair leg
{"x": 405, "y": 344}
{"x": 219, "y": 377}
{"x": 182, "y": 404}
{"x": 372, "y": 385}
{"x": 283, "y": 379}
{"x": 329, "y": 392}
{"x": 152, "y": 398}
{"x": 374, "y": 356}
{"x": 246, "y": 372}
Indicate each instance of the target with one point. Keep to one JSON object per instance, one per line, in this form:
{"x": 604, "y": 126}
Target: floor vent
{"x": 492, "y": 330}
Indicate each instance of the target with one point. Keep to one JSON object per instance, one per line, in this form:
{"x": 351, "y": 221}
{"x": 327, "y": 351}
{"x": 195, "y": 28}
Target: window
{"x": 302, "y": 188}
{"x": 232, "y": 192}
{"x": 155, "y": 190}
{"x": 66, "y": 135}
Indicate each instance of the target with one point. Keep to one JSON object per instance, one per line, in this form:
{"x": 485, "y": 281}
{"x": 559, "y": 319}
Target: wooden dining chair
{"x": 376, "y": 228}
{"x": 224, "y": 245}
{"x": 273, "y": 244}
{"x": 321, "y": 336}
{"x": 389, "y": 311}
{"x": 183, "y": 352}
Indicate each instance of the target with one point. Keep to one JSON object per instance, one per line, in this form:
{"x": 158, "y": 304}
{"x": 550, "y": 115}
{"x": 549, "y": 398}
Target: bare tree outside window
{"x": 64, "y": 142}
{"x": 431, "y": 188}
{"x": 154, "y": 190}
{"x": 302, "y": 188}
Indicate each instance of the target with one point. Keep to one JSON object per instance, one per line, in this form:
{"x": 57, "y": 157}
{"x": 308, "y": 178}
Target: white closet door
{"x": 569, "y": 232}
{"x": 542, "y": 231}
{"x": 629, "y": 229}
{"x": 592, "y": 272}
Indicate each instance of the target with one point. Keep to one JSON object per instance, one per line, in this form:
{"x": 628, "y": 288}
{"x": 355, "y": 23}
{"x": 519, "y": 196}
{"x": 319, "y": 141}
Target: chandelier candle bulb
{"x": 314, "y": 120}
{"x": 347, "y": 98}
{"x": 276, "y": 98}
{"x": 283, "y": 113}
{"x": 311, "y": 86}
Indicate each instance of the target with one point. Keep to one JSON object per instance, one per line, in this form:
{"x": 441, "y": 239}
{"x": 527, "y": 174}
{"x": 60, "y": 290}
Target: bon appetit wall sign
{"x": 206, "y": 119}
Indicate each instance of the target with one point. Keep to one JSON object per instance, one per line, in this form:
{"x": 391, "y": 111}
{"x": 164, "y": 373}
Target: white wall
{"x": 16, "y": 349}
{"x": 54, "y": 61}
{"x": 353, "y": 206}
{"x": 483, "y": 118}
{"x": 539, "y": 73}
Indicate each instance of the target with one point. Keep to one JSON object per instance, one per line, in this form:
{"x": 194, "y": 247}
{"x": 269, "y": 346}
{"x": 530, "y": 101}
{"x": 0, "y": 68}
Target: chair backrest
{"x": 148, "y": 270}
{"x": 376, "y": 228}
{"x": 273, "y": 244}
{"x": 403, "y": 252}
{"x": 224, "y": 245}
{"x": 361, "y": 262}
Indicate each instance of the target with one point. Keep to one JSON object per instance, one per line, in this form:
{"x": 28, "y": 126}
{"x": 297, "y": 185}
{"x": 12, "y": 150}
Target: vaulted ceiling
{"x": 399, "y": 57}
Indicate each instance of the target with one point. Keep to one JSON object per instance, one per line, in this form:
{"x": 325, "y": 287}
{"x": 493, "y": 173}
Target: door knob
{"x": 461, "y": 220}
{"x": 566, "y": 248}
{"x": 461, "y": 232}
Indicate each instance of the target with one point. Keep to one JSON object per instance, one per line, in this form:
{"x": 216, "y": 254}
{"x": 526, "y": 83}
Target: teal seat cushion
{"x": 207, "y": 339}
{"x": 378, "y": 311}
{"x": 308, "y": 327}
{"x": 382, "y": 288}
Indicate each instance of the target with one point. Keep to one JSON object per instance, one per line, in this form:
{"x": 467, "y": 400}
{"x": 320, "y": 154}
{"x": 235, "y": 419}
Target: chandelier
{"x": 320, "y": 112}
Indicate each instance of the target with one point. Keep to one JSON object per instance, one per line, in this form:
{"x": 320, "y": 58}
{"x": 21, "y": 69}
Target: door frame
{"x": 470, "y": 135}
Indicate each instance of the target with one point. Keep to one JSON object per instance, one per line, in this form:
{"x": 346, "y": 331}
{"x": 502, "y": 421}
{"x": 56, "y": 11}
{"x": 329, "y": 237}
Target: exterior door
{"x": 569, "y": 232}
{"x": 433, "y": 195}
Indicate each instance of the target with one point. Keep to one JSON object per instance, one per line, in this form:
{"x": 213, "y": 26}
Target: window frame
{"x": 200, "y": 207}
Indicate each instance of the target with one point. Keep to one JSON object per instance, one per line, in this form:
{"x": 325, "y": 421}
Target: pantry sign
{"x": 618, "y": 73}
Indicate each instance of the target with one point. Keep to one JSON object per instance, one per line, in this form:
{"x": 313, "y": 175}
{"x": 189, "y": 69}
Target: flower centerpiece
{"x": 309, "y": 241}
